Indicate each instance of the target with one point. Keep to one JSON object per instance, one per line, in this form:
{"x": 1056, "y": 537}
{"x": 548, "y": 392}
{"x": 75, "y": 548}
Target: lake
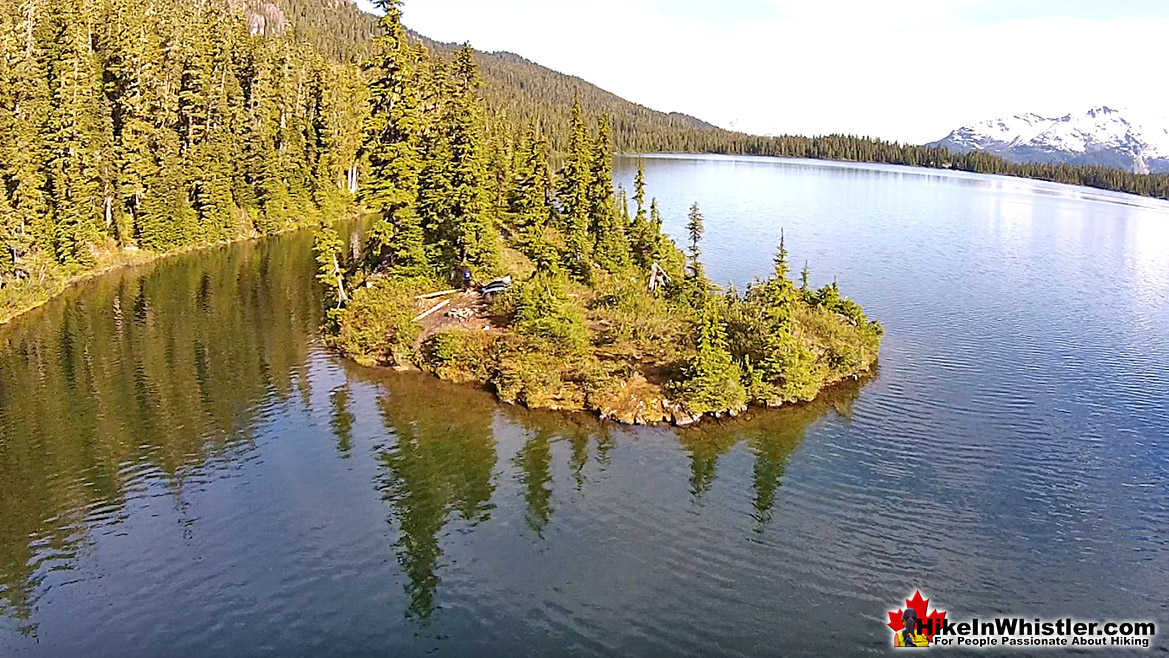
{"x": 185, "y": 471}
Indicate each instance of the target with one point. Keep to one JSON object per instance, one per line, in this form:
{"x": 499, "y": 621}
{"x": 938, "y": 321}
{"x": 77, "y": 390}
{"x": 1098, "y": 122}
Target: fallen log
{"x": 437, "y": 294}
{"x": 434, "y": 308}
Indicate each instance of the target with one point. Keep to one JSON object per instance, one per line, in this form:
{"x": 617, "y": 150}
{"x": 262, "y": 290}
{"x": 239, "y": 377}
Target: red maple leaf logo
{"x": 919, "y": 606}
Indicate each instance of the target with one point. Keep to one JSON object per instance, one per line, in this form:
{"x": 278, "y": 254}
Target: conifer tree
{"x": 780, "y": 260}
{"x": 327, "y": 247}
{"x": 471, "y": 236}
{"x": 639, "y": 191}
{"x": 574, "y": 196}
{"x": 695, "y": 229}
{"x": 391, "y": 146}
{"x": 611, "y": 245}
{"x": 530, "y": 202}
{"x": 133, "y": 72}
{"x": 435, "y": 192}
{"x": 23, "y": 111}
{"x": 711, "y": 380}
{"x": 643, "y": 236}
{"x": 73, "y": 131}
{"x": 324, "y": 147}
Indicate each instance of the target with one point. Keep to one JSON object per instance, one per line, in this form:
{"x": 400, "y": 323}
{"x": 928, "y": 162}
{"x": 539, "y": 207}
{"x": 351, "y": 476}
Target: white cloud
{"x": 900, "y": 69}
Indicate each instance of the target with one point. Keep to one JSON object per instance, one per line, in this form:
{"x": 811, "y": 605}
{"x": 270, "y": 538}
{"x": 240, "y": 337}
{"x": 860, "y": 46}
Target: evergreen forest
{"x": 130, "y": 128}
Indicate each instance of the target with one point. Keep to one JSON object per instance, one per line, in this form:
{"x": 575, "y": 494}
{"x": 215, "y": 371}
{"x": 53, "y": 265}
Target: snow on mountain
{"x": 1101, "y": 136}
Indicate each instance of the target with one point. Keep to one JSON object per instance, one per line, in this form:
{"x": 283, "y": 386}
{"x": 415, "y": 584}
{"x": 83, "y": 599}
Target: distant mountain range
{"x": 1101, "y": 136}
{"x": 522, "y": 92}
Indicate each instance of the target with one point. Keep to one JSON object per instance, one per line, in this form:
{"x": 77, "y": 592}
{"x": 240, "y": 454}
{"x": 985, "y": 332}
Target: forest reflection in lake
{"x": 185, "y": 471}
{"x": 152, "y": 394}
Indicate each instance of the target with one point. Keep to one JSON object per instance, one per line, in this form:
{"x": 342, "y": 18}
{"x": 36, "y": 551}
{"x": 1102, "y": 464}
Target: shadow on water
{"x": 132, "y": 381}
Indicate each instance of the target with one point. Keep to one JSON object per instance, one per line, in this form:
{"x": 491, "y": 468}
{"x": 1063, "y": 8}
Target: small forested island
{"x": 546, "y": 287}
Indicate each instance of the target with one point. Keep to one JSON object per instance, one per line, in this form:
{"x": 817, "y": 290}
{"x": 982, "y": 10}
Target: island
{"x": 614, "y": 345}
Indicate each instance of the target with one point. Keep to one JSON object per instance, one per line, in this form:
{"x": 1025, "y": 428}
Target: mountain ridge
{"x": 519, "y": 92}
{"x": 1100, "y": 136}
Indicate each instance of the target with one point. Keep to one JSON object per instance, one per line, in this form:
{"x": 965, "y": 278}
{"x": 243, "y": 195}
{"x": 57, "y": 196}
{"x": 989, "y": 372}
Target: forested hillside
{"x": 521, "y": 92}
{"x": 158, "y": 124}
{"x": 153, "y": 125}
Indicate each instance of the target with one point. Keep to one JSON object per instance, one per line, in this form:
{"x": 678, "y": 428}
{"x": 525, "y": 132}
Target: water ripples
{"x": 193, "y": 478}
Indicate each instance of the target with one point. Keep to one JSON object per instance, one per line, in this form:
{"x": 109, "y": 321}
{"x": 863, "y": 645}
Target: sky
{"x": 908, "y": 70}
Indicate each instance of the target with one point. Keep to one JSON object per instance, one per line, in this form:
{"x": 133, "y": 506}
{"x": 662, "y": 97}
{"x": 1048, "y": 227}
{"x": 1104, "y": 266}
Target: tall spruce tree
{"x": 391, "y": 146}
{"x": 24, "y": 107}
{"x": 530, "y": 202}
{"x": 781, "y": 265}
{"x": 471, "y": 237}
{"x": 73, "y": 132}
{"x": 711, "y": 380}
{"x": 695, "y": 230}
{"x": 574, "y": 196}
{"x": 643, "y": 236}
{"x": 611, "y": 244}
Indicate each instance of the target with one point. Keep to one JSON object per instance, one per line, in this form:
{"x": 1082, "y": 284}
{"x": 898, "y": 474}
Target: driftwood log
{"x": 432, "y": 310}
{"x": 437, "y": 294}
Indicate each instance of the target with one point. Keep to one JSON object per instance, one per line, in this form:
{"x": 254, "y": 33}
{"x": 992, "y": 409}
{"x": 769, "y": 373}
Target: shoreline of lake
{"x": 672, "y": 413}
{"x": 124, "y": 258}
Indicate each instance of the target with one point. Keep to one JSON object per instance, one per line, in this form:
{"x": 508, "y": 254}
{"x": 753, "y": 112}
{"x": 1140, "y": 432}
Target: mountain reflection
{"x": 138, "y": 376}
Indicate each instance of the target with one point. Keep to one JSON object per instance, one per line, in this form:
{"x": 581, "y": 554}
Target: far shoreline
{"x": 1095, "y": 194}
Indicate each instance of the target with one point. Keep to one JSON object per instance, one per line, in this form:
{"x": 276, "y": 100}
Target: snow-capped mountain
{"x": 1100, "y": 136}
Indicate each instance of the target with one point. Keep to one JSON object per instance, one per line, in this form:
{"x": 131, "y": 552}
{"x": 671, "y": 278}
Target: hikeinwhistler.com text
{"x": 1006, "y": 632}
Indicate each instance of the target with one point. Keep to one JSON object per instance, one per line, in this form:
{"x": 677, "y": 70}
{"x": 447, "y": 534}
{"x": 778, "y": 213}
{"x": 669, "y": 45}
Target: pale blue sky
{"x": 900, "y": 69}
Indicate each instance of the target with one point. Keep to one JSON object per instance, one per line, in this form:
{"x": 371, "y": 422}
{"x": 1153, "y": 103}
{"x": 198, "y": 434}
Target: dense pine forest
{"x": 135, "y": 127}
{"x": 154, "y": 125}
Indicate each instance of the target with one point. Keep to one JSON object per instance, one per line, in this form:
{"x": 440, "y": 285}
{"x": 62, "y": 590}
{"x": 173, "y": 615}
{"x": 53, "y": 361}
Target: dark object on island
{"x": 496, "y": 286}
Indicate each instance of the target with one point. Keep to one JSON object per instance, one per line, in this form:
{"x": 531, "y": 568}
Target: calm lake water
{"x": 184, "y": 471}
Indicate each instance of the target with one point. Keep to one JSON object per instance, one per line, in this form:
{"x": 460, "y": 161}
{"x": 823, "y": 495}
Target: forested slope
{"x": 158, "y": 124}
